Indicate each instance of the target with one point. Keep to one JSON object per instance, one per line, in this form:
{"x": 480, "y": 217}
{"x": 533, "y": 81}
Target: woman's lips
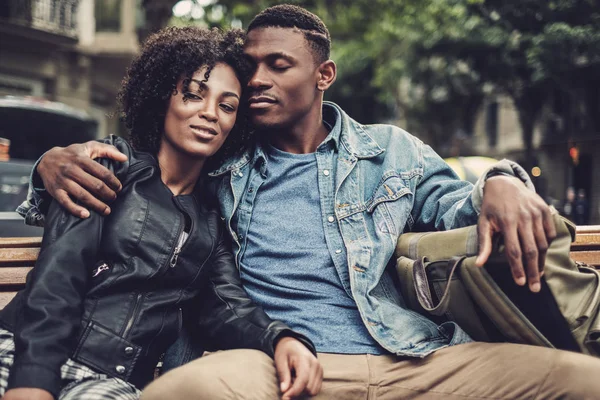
{"x": 204, "y": 133}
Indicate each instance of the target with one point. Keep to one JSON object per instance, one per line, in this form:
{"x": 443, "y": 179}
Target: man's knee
{"x": 572, "y": 376}
{"x": 244, "y": 374}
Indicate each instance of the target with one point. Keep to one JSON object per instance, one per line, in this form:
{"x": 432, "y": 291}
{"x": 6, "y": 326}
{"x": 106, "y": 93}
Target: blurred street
{"x": 478, "y": 80}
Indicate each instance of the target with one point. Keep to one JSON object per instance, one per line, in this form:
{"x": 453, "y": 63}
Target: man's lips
{"x": 261, "y": 101}
{"x": 203, "y": 132}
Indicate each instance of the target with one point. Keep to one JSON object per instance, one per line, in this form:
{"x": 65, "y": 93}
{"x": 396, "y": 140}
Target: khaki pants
{"x": 466, "y": 372}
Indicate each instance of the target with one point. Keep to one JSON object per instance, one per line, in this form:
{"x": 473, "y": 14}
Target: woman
{"x": 108, "y": 294}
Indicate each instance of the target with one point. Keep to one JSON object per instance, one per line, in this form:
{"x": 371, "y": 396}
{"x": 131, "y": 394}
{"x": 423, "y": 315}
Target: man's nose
{"x": 259, "y": 79}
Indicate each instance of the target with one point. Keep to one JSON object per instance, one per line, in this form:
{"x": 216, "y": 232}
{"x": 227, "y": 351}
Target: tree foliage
{"x": 433, "y": 62}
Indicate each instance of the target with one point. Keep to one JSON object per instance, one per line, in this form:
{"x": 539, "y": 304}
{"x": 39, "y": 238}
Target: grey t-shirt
{"x": 287, "y": 268}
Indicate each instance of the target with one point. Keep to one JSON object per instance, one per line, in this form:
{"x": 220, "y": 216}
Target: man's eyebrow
{"x": 274, "y": 56}
{"x": 203, "y": 86}
{"x": 280, "y": 54}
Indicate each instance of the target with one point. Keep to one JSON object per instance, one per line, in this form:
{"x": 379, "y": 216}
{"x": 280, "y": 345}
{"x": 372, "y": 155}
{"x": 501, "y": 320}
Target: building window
{"x": 108, "y": 15}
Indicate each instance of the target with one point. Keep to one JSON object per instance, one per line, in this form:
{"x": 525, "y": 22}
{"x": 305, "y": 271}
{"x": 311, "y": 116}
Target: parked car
{"x": 470, "y": 168}
{"x": 29, "y": 127}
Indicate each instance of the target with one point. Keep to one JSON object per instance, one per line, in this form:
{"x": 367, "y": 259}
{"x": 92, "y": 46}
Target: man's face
{"x": 283, "y": 88}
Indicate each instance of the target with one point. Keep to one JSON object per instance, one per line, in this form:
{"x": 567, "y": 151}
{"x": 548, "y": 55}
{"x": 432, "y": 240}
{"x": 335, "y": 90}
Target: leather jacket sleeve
{"x": 228, "y": 318}
{"x": 52, "y": 301}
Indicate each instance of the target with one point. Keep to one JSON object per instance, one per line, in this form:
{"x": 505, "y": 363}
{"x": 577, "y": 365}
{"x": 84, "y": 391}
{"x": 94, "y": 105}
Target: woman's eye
{"x": 189, "y": 95}
{"x": 228, "y": 107}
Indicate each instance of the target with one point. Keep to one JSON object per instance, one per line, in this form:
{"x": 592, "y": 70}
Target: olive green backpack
{"x": 439, "y": 279}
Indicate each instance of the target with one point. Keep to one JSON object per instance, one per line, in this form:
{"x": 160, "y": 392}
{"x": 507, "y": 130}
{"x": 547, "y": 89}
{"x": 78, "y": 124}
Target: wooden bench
{"x": 18, "y": 255}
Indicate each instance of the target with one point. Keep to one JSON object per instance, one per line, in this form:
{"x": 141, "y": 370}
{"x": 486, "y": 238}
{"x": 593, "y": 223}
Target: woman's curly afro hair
{"x": 167, "y": 56}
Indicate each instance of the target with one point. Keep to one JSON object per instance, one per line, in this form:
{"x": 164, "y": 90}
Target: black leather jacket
{"x": 109, "y": 292}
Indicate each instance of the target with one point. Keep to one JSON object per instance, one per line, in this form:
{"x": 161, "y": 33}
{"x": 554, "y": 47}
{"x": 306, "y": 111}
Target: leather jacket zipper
{"x": 129, "y": 325}
{"x": 175, "y": 256}
{"x": 101, "y": 268}
{"x": 180, "y": 320}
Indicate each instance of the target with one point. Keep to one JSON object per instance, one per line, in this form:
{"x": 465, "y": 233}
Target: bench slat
{"x": 13, "y": 275}
{"x": 591, "y": 257}
{"x": 5, "y": 298}
{"x": 19, "y": 242}
{"x": 18, "y": 256}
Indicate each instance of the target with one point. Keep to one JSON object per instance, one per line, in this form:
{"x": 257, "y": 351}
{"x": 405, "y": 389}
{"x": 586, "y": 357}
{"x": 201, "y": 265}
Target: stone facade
{"x": 52, "y": 49}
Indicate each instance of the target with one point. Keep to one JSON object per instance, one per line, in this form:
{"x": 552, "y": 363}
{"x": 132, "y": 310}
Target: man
{"x": 315, "y": 210}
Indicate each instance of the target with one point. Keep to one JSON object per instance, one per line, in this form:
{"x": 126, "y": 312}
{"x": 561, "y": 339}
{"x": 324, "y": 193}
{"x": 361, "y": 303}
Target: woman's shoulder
{"x": 134, "y": 158}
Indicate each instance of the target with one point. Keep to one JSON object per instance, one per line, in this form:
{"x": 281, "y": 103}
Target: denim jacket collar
{"x": 353, "y": 136}
{"x": 344, "y": 131}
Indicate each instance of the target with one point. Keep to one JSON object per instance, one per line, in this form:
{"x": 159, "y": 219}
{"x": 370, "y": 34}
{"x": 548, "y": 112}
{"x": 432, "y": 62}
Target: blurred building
{"x": 70, "y": 51}
{"x": 564, "y": 155}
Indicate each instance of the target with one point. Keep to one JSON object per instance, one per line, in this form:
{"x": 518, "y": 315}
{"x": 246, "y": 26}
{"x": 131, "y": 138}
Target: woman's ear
{"x": 327, "y": 73}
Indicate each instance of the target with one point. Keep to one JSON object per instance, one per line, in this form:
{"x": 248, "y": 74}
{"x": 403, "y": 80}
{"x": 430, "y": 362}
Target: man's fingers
{"x": 514, "y": 255}
{"x": 65, "y": 201}
{"x": 99, "y": 179}
{"x": 550, "y": 233}
{"x": 530, "y": 251}
{"x": 549, "y": 226}
{"x": 102, "y": 150}
{"x": 541, "y": 241}
{"x": 85, "y": 199}
{"x": 284, "y": 373}
{"x": 316, "y": 379}
{"x": 484, "y": 233}
{"x": 300, "y": 381}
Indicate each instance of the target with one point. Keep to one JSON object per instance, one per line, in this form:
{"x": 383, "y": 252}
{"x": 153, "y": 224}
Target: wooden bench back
{"x": 18, "y": 255}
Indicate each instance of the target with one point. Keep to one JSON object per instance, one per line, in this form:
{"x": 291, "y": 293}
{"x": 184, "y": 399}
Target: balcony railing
{"x": 56, "y": 16}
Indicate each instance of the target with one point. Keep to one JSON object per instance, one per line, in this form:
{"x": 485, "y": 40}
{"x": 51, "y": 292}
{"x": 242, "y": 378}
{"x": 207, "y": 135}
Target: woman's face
{"x": 199, "y": 119}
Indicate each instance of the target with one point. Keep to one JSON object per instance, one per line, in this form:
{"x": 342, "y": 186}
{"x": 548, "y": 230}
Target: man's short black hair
{"x": 289, "y": 16}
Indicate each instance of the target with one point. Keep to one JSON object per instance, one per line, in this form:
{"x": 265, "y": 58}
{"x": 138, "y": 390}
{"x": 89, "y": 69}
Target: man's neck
{"x": 304, "y": 137}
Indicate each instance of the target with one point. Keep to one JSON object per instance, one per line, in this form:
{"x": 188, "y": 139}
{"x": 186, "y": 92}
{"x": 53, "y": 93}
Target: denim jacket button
{"x": 120, "y": 369}
{"x": 338, "y": 251}
{"x": 330, "y": 218}
{"x": 128, "y": 351}
{"x": 326, "y": 172}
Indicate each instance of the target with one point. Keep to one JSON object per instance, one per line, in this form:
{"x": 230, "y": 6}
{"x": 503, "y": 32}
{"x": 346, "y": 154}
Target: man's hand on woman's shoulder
{"x": 299, "y": 371}
{"x": 75, "y": 180}
{"x": 524, "y": 220}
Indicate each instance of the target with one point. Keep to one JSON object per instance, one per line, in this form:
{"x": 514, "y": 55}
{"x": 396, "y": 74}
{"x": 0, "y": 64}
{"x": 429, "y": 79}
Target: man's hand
{"x": 27, "y": 394}
{"x": 71, "y": 173}
{"x": 298, "y": 369}
{"x": 525, "y": 222}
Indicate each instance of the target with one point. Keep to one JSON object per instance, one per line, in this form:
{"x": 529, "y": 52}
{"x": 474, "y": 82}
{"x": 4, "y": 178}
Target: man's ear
{"x": 327, "y": 72}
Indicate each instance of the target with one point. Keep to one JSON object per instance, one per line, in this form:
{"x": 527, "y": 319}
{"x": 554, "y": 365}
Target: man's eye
{"x": 280, "y": 67}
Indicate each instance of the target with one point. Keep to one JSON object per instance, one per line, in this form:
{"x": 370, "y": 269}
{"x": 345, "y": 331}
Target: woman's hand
{"x": 27, "y": 394}
{"x": 298, "y": 369}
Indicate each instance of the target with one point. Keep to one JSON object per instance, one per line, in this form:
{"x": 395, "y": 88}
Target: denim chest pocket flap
{"x": 385, "y": 206}
{"x": 391, "y": 188}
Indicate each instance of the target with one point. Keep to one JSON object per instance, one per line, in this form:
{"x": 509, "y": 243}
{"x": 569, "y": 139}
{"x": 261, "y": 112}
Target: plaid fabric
{"x": 79, "y": 381}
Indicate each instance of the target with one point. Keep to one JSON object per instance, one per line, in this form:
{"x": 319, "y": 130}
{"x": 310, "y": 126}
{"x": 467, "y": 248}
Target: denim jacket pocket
{"x": 386, "y": 204}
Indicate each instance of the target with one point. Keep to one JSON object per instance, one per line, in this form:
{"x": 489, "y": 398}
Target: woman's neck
{"x": 178, "y": 171}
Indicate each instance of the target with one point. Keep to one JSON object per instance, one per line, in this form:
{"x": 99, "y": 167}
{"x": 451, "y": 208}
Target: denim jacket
{"x": 376, "y": 181}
